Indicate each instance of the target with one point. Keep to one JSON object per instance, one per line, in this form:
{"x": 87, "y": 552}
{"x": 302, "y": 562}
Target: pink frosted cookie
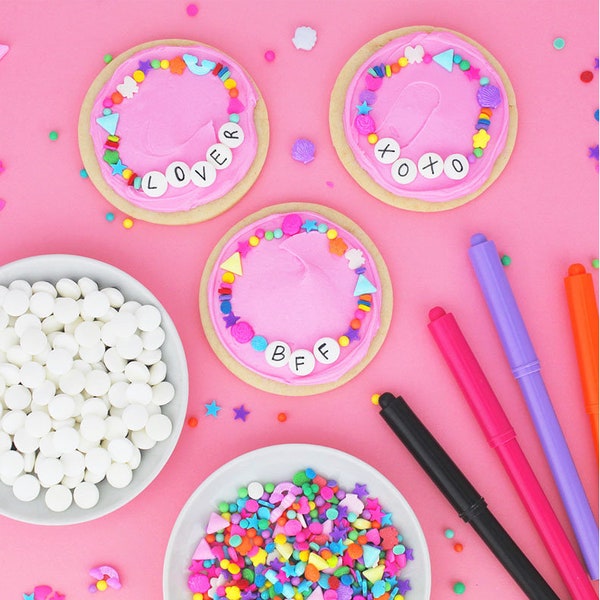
{"x": 423, "y": 118}
{"x": 295, "y": 299}
{"x": 173, "y": 131}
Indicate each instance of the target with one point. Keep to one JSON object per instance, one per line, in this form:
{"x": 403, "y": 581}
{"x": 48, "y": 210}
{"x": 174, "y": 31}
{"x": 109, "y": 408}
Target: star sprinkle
{"x": 364, "y": 108}
{"x": 404, "y": 586}
{"x": 243, "y": 248}
{"x": 593, "y": 152}
{"x": 360, "y": 490}
{"x": 28, "y": 596}
{"x": 386, "y": 519}
{"x": 212, "y": 409}
{"x": 118, "y": 168}
{"x": 310, "y": 226}
{"x": 144, "y": 66}
{"x": 240, "y": 413}
{"x": 472, "y": 73}
{"x": 177, "y": 65}
{"x": 352, "y": 334}
{"x": 481, "y": 139}
{"x": 230, "y": 320}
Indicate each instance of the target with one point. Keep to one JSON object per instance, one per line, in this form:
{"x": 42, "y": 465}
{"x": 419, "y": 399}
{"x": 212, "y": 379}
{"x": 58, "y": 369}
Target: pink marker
{"x": 501, "y": 436}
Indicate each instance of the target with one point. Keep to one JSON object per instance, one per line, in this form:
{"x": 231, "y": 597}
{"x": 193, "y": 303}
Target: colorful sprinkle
{"x": 110, "y": 217}
{"x": 128, "y": 223}
{"x": 3, "y": 50}
{"x": 106, "y": 576}
{"x": 595, "y": 263}
{"x": 107, "y": 58}
{"x": 303, "y": 150}
{"x": 240, "y": 413}
{"x": 448, "y": 533}
{"x": 505, "y": 260}
{"x": 593, "y": 152}
{"x": 83, "y": 174}
{"x": 586, "y": 76}
{"x": 596, "y": 114}
{"x": 282, "y": 417}
{"x": 269, "y": 56}
{"x": 458, "y": 547}
{"x": 212, "y": 409}
{"x": 459, "y": 588}
{"x": 558, "y": 43}
{"x": 192, "y": 422}
{"x": 53, "y": 135}
{"x": 298, "y": 539}
{"x": 375, "y": 399}
{"x": 192, "y": 10}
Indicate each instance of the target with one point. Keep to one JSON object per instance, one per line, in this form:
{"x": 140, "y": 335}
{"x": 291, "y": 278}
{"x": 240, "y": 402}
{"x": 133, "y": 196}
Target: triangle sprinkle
{"x": 233, "y": 264}
{"x": 445, "y": 59}
{"x": 363, "y": 286}
{"x": 109, "y": 122}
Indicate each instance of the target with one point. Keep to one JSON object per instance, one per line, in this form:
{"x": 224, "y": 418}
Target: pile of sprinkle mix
{"x": 304, "y": 538}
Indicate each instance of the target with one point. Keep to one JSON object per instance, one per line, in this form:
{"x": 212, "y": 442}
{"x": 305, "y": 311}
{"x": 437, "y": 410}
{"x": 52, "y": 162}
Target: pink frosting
{"x": 427, "y": 109}
{"x": 294, "y": 290}
{"x": 175, "y": 118}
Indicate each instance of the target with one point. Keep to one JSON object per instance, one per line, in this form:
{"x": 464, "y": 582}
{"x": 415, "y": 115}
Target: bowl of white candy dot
{"x": 93, "y": 389}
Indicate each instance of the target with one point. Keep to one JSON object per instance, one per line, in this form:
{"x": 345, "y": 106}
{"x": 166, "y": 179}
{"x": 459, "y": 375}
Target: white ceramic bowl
{"x": 51, "y": 268}
{"x": 279, "y": 463}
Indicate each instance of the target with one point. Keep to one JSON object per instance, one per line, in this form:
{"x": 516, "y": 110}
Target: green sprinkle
{"x": 53, "y": 135}
{"x": 478, "y": 152}
{"x": 558, "y": 43}
{"x": 278, "y": 233}
{"x": 484, "y": 81}
{"x": 248, "y": 575}
{"x": 219, "y": 537}
{"x": 107, "y": 58}
{"x": 243, "y": 492}
{"x": 505, "y": 260}
{"x": 155, "y": 64}
{"x": 223, "y": 506}
{"x": 464, "y": 65}
{"x": 269, "y": 487}
{"x": 595, "y": 263}
{"x": 459, "y": 587}
{"x": 268, "y": 235}
{"x": 331, "y": 513}
{"x": 300, "y": 477}
{"x": 353, "y": 535}
{"x": 314, "y": 513}
{"x": 235, "y": 541}
{"x": 322, "y": 228}
{"x": 449, "y": 533}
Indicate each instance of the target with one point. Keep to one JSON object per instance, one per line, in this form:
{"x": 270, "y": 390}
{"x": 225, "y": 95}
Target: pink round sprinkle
{"x": 359, "y": 314}
{"x": 326, "y": 493}
{"x": 260, "y": 233}
{"x": 242, "y": 332}
{"x": 198, "y": 583}
{"x": 315, "y": 527}
{"x": 269, "y": 56}
{"x": 252, "y": 505}
{"x": 292, "y": 527}
{"x": 291, "y": 224}
{"x": 192, "y": 10}
{"x": 373, "y": 83}
{"x": 107, "y": 102}
{"x": 427, "y": 58}
{"x": 364, "y": 124}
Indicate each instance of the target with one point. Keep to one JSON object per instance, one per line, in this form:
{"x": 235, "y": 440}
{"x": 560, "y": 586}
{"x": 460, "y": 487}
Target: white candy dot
{"x": 68, "y": 288}
{"x": 49, "y": 470}
{"x": 115, "y": 428}
{"x": 59, "y": 361}
{"x": 61, "y": 407}
{"x": 41, "y": 304}
{"x": 24, "y": 442}
{"x": 33, "y": 341}
{"x": 92, "y": 428}
{"x": 139, "y": 393}
{"x": 72, "y": 382}
{"x": 65, "y": 440}
{"x": 163, "y": 393}
{"x": 16, "y": 302}
{"x": 255, "y": 490}
{"x": 130, "y": 347}
{"x": 119, "y": 475}
{"x": 154, "y": 339}
{"x": 25, "y": 322}
{"x": 97, "y": 460}
{"x": 121, "y": 450}
{"x": 87, "y": 333}
{"x": 32, "y": 375}
{"x": 93, "y": 354}
{"x": 86, "y": 495}
{"x": 137, "y": 372}
{"x": 66, "y": 310}
{"x": 73, "y": 463}
{"x": 158, "y": 372}
{"x": 87, "y": 286}
{"x": 58, "y": 498}
{"x": 64, "y": 341}
{"x": 96, "y": 304}
{"x": 135, "y": 417}
{"x": 12, "y": 421}
{"x": 17, "y": 397}
{"x": 115, "y": 297}
{"x": 97, "y": 383}
{"x": 37, "y": 423}
{"x": 26, "y": 487}
{"x": 148, "y": 317}
{"x": 159, "y": 427}
{"x": 11, "y": 466}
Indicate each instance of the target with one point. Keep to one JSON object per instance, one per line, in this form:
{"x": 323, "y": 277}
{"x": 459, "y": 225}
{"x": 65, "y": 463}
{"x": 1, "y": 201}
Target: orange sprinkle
{"x": 354, "y": 551}
{"x": 116, "y": 98}
{"x": 210, "y": 537}
{"x": 338, "y": 246}
{"x": 487, "y": 111}
{"x": 282, "y": 417}
{"x": 395, "y": 67}
{"x": 384, "y": 596}
{"x": 281, "y": 521}
{"x": 234, "y": 93}
{"x": 458, "y": 547}
{"x": 177, "y": 65}
{"x": 192, "y": 422}
{"x": 311, "y": 572}
{"x": 355, "y": 323}
{"x": 366, "y": 297}
{"x": 258, "y": 540}
{"x": 362, "y": 540}
{"x": 326, "y": 553}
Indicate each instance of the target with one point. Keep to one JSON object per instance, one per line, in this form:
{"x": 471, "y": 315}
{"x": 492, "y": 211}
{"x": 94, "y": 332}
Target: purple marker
{"x": 526, "y": 369}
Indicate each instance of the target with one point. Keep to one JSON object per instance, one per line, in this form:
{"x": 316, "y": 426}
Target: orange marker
{"x": 584, "y": 321}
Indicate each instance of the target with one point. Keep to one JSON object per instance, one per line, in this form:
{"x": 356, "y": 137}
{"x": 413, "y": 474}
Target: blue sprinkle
{"x": 596, "y": 114}
{"x": 84, "y": 174}
{"x": 322, "y": 228}
{"x": 259, "y": 343}
{"x": 360, "y": 270}
{"x": 484, "y": 81}
{"x": 457, "y": 58}
{"x": 277, "y": 233}
{"x": 106, "y": 112}
{"x": 226, "y": 307}
{"x": 110, "y": 216}
{"x": 310, "y": 473}
{"x": 234, "y": 118}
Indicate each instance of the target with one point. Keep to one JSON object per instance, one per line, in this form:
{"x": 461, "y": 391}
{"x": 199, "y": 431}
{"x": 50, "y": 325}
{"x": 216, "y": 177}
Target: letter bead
{"x": 456, "y": 166}
{"x": 203, "y": 173}
{"x": 387, "y": 150}
{"x": 404, "y": 171}
{"x": 178, "y": 174}
{"x": 154, "y": 184}
{"x": 231, "y": 134}
{"x": 219, "y": 155}
{"x": 326, "y": 350}
{"x": 430, "y": 165}
{"x": 277, "y": 354}
{"x": 302, "y": 362}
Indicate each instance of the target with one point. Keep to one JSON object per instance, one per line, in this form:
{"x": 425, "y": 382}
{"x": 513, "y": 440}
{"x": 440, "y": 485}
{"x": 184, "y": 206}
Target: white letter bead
{"x": 387, "y": 150}
{"x": 430, "y": 165}
{"x": 178, "y": 174}
{"x": 404, "y": 171}
{"x": 326, "y": 350}
{"x": 219, "y": 155}
{"x": 154, "y": 184}
{"x": 203, "y": 174}
{"x": 456, "y": 166}
{"x": 277, "y": 354}
{"x": 231, "y": 134}
{"x": 302, "y": 362}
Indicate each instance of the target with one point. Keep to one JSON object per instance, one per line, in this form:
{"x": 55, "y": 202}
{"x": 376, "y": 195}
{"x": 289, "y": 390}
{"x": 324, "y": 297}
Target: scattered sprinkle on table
{"x": 212, "y": 409}
{"x": 303, "y": 538}
{"x": 449, "y": 533}
{"x": 586, "y": 76}
{"x": 240, "y": 413}
{"x": 53, "y": 135}
{"x": 459, "y": 588}
{"x": 458, "y": 547}
{"x": 282, "y": 417}
{"x": 107, "y": 58}
{"x": 375, "y": 399}
{"x": 127, "y": 223}
{"x": 595, "y": 263}
{"x": 596, "y": 114}
{"x": 593, "y": 152}
{"x": 558, "y": 43}
{"x": 192, "y": 422}
{"x": 506, "y": 260}
{"x": 83, "y": 174}
{"x": 192, "y": 10}
{"x": 303, "y": 150}
{"x": 269, "y": 56}
{"x": 110, "y": 217}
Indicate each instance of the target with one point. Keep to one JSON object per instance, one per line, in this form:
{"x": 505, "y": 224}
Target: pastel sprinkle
{"x": 192, "y": 10}
{"x": 83, "y": 174}
{"x": 192, "y": 422}
{"x": 596, "y": 114}
{"x": 448, "y": 533}
{"x": 505, "y": 260}
{"x": 595, "y": 263}
{"x": 128, "y": 223}
{"x": 240, "y": 413}
{"x": 53, "y": 135}
{"x": 558, "y": 43}
{"x": 269, "y": 56}
{"x": 459, "y": 588}
{"x": 110, "y": 216}
{"x": 3, "y": 50}
{"x": 303, "y": 150}
{"x": 107, "y": 58}
{"x": 212, "y": 409}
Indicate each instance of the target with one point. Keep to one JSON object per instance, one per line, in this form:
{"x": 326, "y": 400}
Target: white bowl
{"x": 53, "y": 267}
{"x": 279, "y": 463}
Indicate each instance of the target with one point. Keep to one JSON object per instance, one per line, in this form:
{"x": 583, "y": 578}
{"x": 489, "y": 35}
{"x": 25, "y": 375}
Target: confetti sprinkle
{"x": 110, "y": 217}
{"x": 448, "y": 533}
{"x": 303, "y": 150}
{"x": 305, "y": 38}
{"x": 192, "y": 10}
{"x": 127, "y": 223}
{"x": 558, "y": 43}
{"x": 595, "y": 263}
{"x": 282, "y": 417}
{"x": 459, "y": 588}
{"x": 53, "y": 135}
{"x": 586, "y": 76}
{"x": 593, "y": 152}
{"x": 107, "y": 58}
{"x": 458, "y": 547}
{"x": 269, "y": 56}
{"x": 83, "y": 174}
{"x": 240, "y": 413}
{"x": 212, "y": 409}
{"x": 192, "y": 422}
{"x": 506, "y": 260}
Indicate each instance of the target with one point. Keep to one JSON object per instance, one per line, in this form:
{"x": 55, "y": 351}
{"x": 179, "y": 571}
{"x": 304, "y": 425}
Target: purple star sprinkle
{"x": 409, "y": 554}
{"x": 593, "y": 152}
{"x": 144, "y": 66}
{"x": 240, "y": 413}
{"x": 230, "y": 320}
{"x": 360, "y": 490}
{"x": 352, "y": 334}
{"x": 404, "y": 586}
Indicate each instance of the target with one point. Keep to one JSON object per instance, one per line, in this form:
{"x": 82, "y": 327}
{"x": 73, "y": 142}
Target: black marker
{"x": 465, "y": 499}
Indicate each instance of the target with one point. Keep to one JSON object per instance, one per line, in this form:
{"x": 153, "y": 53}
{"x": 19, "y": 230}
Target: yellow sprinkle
{"x": 362, "y": 524}
{"x": 298, "y": 596}
{"x": 280, "y": 538}
{"x": 230, "y": 83}
{"x": 113, "y": 138}
{"x": 101, "y": 585}
{"x": 224, "y": 563}
{"x": 127, "y": 223}
{"x": 388, "y": 71}
{"x": 260, "y": 558}
{"x": 233, "y": 568}
{"x": 303, "y": 555}
{"x": 285, "y": 549}
{"x": 375, "y": 399}
{"x": 164, "y": 63}
{"x": 403, "y": 61}
{"x": 233, "y": 593}
{"x": 254, "y": 241}
{"x": 374, "y": 574}
{"x": 317, "y": 561}
{"x": 363, "y": 307}
{"x": 372, "y": 138}
{"x": 127, "y": 173}
{"x": 228, "y": 277}
{"x": 343, "y": 340}
{"x": 331, "y": 234}
{"x": 197, "y": 596}
{"x": 139, "y": 76}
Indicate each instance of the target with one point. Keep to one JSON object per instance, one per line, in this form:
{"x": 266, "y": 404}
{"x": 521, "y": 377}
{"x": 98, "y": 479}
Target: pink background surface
{"x": 542, "y": 211}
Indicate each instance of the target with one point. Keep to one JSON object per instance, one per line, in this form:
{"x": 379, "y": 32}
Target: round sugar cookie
{"x": 295, "y": 299}
{"x": 423, "y": 118}
{"x": 173, "y": 132}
